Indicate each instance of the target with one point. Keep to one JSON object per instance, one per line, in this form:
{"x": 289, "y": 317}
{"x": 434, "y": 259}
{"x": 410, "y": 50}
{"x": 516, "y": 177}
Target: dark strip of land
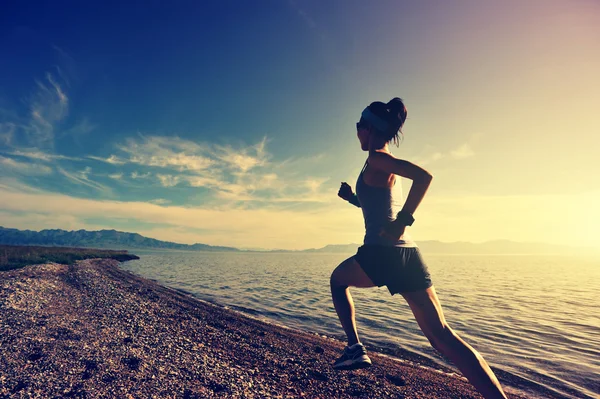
{"x": 93, "y": 330}
{"x": 17, "y": 256}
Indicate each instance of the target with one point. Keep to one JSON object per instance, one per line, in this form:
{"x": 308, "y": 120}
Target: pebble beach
{"x": 93, "y": 330}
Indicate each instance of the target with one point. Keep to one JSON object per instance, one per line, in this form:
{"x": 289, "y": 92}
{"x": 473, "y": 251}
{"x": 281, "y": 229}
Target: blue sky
{"x": 233, "y": 123}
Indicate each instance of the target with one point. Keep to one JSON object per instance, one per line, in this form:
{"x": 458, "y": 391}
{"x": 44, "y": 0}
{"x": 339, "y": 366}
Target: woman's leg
{"x": 427, "y": 309}
{"x": 347, "y": 274}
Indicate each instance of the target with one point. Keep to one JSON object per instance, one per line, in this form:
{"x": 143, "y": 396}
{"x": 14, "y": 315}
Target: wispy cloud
{"x": 299, "y": 161}
{"x": 464, "y": 151}
{"x": 243, "y": 159}
{"x": 160, "y": 201}
{"x": 137, "y": 175}
{"x": 166, "y": 152}
{"x": 203, "y": 181}
{"x": 32, "y": 134}
{"x": 431, "y": 155}
{"x": 7, "y": 132}
{"x": 22, "y": 168}
{"x": 326, "y": 44}
{"x": 314, "y": 184}
{"x": 310, "y": 22}
{"x": 42, "y": 156}
{"x": 13, "y": 185}
{"x": 82, "y": 178}
{"x": 430, "y": 158}
{"x": 114, "y": 160}
{"x": 48, "y": 105}
{"x": 82, "y": 128}
{"x": 168, "y": 180}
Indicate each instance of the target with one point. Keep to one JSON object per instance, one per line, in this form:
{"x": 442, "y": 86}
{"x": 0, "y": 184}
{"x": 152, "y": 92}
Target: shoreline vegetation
{"x": 16, "y": 256}
{"x": 90, "y": 329}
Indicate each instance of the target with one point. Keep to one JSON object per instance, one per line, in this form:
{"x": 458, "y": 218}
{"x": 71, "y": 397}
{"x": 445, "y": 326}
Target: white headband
{"x": 374, "y": 120}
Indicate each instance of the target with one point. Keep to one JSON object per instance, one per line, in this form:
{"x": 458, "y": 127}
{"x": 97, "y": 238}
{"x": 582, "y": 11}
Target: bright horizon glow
{"x": 194, "y": 140}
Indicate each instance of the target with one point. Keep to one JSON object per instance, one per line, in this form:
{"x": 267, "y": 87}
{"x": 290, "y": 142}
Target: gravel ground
{"x": 93, "y": 330}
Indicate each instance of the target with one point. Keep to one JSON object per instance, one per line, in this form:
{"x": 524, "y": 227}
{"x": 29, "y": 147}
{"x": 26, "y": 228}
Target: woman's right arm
{"x": 421, "y": 179}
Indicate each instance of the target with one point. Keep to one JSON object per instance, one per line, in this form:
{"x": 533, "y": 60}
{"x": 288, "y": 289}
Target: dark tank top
{"x": 377, "y": 204}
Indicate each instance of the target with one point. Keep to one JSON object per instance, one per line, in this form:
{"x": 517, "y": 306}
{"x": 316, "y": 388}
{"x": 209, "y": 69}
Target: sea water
{"x": 535, "y": 319}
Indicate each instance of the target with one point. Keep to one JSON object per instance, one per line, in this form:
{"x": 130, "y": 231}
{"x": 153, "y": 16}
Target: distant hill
{"x": 95, "y": 239}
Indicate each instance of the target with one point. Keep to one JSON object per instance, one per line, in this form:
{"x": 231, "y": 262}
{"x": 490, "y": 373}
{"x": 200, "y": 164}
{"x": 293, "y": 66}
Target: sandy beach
{"x": 93, "y": 330}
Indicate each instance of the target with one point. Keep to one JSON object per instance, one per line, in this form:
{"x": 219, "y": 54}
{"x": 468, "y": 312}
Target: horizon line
{"x": 255, "y": 249}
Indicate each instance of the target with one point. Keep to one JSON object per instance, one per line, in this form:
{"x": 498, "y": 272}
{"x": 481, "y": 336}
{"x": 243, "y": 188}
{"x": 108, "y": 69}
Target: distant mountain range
{"x": 120, "y": 240}
{"x": 95, "y": 239}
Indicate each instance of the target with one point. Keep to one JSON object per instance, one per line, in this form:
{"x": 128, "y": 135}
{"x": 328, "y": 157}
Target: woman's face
{"x": 363, "y": 133}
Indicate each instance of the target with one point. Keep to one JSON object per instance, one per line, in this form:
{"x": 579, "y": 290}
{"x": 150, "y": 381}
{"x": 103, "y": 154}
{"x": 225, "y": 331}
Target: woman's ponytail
{"x": 397, "y": 113}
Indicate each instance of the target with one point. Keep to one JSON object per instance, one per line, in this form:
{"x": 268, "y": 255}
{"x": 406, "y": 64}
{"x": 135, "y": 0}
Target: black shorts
{"x": 401, "y": 269}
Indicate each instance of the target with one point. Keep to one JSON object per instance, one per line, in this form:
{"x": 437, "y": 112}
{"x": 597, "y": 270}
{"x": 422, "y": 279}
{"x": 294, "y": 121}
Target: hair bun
{"x": 397, "y": 110}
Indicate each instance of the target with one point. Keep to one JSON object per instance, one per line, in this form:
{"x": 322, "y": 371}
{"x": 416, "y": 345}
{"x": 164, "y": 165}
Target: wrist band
{"x": 405, "y": 218}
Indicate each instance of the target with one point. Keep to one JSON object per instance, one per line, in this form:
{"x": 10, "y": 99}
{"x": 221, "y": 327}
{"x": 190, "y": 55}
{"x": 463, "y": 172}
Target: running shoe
{"x": 353, "y": 358}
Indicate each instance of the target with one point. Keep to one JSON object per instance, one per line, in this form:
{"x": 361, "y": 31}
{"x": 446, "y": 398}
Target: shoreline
{"x": 519, "y": 387}
{"x": 96, "y": 330}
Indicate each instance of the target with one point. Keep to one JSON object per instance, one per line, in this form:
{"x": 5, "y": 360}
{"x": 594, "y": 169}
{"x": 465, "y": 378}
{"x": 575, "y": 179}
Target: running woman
{"x": 389, "y": 257}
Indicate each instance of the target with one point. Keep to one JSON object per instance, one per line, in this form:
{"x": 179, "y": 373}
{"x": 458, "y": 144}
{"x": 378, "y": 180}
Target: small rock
{"x": 317, "y": 375}
{"x": 108, "y": 378}
{"x": 217, "y": 387}
{"x": 357, "y": 392}
{"x": 132, "y": 362}
{"x": 90, "y": 364}
{"x": 20, "y": 385}
{"x": 35, "y": 356}
{"x": 396, "y": 380}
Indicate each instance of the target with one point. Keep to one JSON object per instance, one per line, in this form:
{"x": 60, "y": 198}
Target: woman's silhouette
{"x": 389, "y": 257}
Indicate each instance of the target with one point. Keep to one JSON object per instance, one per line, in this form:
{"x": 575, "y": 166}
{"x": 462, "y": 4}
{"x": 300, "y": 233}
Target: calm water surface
{"x": 534, "y": 318}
